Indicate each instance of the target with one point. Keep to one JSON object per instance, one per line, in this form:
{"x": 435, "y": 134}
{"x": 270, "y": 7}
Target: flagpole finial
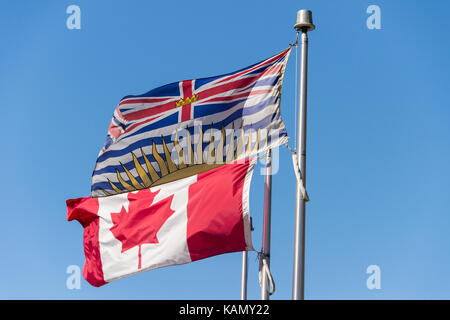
{"x": 304, "y": 21}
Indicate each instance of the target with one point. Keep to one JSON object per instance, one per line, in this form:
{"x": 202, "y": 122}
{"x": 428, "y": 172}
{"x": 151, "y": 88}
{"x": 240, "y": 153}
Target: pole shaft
{"x": 267, "y": 225}
{"x": 244, "y": 275}
{"x": 298, "y": 286}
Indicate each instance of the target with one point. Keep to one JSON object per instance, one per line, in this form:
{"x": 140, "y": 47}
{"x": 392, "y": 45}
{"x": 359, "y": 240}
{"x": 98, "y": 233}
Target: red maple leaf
{"x": 142, "y": 221}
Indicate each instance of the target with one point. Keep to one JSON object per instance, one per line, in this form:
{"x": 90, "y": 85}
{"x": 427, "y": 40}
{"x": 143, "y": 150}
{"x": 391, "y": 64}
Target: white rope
{"x": 266, "y": 270}
{"x": 299, "y": 176}
{"x": 297, "y": 170}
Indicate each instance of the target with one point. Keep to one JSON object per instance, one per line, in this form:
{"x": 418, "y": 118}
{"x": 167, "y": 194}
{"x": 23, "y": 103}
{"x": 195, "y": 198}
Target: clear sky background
{"x": 378, "y": 139}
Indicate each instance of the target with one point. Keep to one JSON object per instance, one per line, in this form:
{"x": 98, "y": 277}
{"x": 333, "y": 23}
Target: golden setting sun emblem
{"x": 189, "y": 163}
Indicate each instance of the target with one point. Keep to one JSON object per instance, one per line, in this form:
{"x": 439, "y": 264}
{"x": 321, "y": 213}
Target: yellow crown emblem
{"x": 188, "y": 100}
{"x": 188, "y": 163}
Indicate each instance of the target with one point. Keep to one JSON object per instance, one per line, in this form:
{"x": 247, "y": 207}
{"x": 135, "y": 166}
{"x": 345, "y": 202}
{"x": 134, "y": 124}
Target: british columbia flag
{"x": 235, "y": 114}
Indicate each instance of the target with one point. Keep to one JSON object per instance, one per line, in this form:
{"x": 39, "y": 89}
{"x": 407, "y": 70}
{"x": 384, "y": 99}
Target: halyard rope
{"x": 297, "y": 171}
{"x": 266, "y": 270}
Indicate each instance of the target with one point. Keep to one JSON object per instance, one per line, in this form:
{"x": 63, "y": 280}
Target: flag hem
{"x": 246, "y": 205}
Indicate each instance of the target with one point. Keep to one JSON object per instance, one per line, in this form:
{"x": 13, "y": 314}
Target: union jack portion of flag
{"x": 191, "y": 123}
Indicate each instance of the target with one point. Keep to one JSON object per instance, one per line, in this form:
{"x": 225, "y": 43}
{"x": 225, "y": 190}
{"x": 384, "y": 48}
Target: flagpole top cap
{"x": 304, "y": 21}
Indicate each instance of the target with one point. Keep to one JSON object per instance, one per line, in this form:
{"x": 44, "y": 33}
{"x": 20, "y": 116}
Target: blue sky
{"x": 378, "y": 139}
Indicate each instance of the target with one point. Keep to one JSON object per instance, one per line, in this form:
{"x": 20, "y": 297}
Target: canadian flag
{"x": 175, "y": 223}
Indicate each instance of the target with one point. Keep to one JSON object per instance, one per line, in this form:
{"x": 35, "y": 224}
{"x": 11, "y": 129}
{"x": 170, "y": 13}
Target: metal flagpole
{"x": 266, "y": 228}
{"x": 303, "y": 25}
{"x": 244, "y": 274}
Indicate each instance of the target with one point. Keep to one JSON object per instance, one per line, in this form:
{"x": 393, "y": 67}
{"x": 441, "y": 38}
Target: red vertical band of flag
{"x": 217, "y": 199}
{"x": 85, "y": 211}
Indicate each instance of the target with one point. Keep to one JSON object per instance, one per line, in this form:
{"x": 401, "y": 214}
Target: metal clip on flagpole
{"x": 303, "y": 25}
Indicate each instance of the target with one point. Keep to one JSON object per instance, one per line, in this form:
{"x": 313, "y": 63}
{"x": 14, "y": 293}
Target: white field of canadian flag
{"x": 175, "y": 223}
